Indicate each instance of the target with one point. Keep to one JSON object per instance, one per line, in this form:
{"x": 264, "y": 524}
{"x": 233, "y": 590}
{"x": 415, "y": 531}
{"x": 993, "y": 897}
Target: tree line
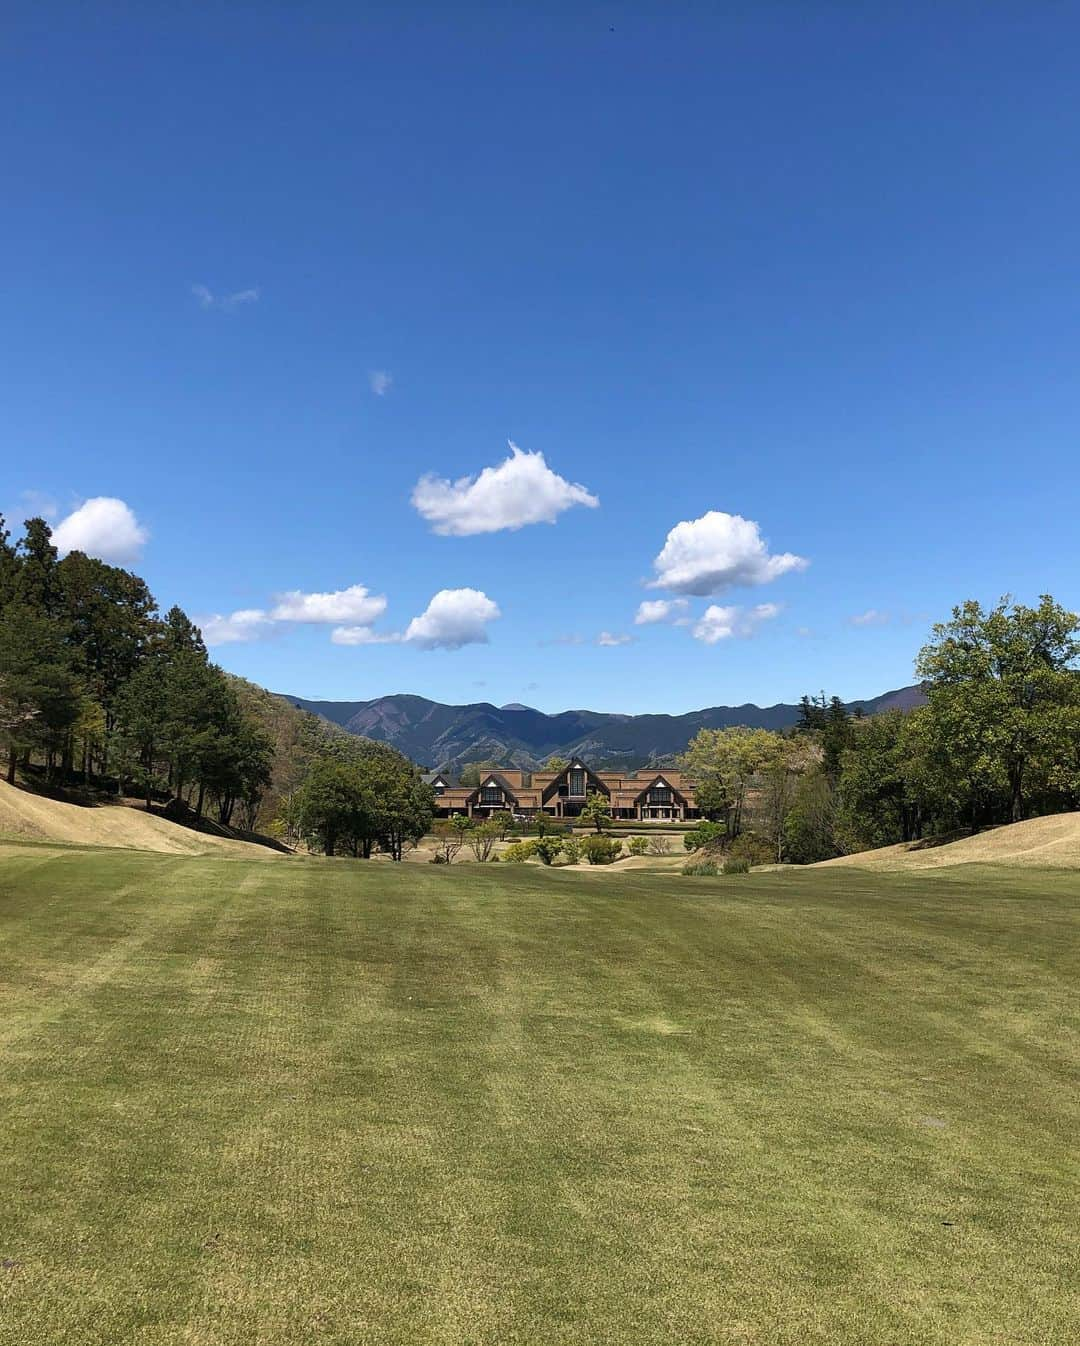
{"x": 997, "y": 741}
{"x": 99, "y": 691}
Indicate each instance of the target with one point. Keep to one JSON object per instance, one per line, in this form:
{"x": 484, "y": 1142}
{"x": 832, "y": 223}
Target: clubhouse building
{"x": 640, "y": 796}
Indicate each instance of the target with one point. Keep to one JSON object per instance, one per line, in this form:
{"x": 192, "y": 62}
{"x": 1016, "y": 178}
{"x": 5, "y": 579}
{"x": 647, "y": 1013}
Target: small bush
{"x": 704, "y": 834}
{"x": 571, "y": 849}
{"x": 548, "y": 849}
{"x": 519, "y": 852}
{"x": 701, "y": 868}
{"x": 753, "y": 849}
{"x": 659, "y": 844}
{"x": 736, "y": 864}
{"x": 637, "y": 845}
{"x": 601, "y": 850}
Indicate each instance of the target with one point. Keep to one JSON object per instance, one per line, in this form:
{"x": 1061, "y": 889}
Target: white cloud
{"x": 361, "y": 635}
{"x": 207, "y": 299}
{"x": 380, "y": 381}
{"x": 354, "y": 606}
{"x": 242, "y": 626}
{"x": 871, "y": 617}
{"x": 722, "y": 623}
{"x": 103, "y": 527}
{"x": 606, "y": 638}
{"x": 660, "y": 610}
{"x": 717, "y": 552}
{"x": 521, "y": 490}
{"x": 453, "y": 618}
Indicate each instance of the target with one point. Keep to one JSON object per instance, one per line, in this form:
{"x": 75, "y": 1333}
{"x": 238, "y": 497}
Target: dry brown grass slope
{"x": 35, "y": 818}
{"x": 1046, "y": 843}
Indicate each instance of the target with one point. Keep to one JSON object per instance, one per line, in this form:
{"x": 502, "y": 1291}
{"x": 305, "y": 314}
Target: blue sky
{"x": 814, "y": 266}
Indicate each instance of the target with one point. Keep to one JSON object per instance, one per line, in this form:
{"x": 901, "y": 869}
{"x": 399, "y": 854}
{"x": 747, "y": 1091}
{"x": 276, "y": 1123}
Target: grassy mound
{"x": 1052, "y": 842}
{"x": 35, "y": 817}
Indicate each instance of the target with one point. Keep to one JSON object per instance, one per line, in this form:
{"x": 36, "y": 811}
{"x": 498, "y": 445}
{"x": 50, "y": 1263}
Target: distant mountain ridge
{"x": 444, "y": 737}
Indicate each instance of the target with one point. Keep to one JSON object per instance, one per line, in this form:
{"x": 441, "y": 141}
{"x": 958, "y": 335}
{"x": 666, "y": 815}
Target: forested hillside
{"x": 102, "y": 696}
{"x": 445, "y": 738}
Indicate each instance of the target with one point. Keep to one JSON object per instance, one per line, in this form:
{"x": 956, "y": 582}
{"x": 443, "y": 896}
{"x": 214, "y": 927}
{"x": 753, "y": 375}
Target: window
{"x": 660, "y": 794}
{"x": 491, "y": 794}
{"x": 577, "y": 781}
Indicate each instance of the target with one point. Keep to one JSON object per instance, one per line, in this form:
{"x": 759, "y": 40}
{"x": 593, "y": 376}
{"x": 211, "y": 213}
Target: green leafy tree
{"x": 37, "y": 585}
{"x": 724, "y": 763}
{"x": 503, "y": 821}
{"x": 9, "y": 566}
{"x": 41, "y": 694}
{"x": 1003, "y": 677}
{"x": 596, "y": 810}
{"x": 329, "y": 802}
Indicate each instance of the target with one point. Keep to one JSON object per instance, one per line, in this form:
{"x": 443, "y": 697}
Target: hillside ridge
{"x": 443, "y": 737}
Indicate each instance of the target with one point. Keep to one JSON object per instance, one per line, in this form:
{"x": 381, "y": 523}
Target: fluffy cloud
{"x": 244, "y": 625}
{"x": 453, "y": 618}
{"x": 361, "y": 635}
{"x": 717, "y": 552}
{"x": 606, "y": 638}
{"x": 720, "y": 623}
{"x": 520, "y": 491}
{"x": 354, "y": 606}
{"x": 228, "y": 302}
{"x": 660, "y": 610}
{"x": 379, "y": 381}
{"x": 103, "y": 527}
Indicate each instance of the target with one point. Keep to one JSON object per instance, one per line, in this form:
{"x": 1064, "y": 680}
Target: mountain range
{"x": 444, "y": 737}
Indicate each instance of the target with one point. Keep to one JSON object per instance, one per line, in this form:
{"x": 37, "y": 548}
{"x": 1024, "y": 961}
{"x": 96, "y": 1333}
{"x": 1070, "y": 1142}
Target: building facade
{"x": 640, "y": 796}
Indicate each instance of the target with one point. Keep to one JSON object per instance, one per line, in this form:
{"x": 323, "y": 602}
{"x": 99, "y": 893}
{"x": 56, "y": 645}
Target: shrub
{"x": 519, "y": 852}
{"x": 601, "y": 850}
{"x": 701, "y": 868}
{"x": 753, "y": 849}
{"x": 571, "y": 849}
{"x": 704, "y": 834}
{"x": 736, "y": 864}
{"x": 547, "y": 849}
{"x": 659, "y": 845}
{"x": 637, "y": 845}
{"x": 482, "y": 840}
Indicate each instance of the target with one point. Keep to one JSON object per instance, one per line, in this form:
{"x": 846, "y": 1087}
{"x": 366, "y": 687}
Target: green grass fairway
{"x": 271, "y": 1104}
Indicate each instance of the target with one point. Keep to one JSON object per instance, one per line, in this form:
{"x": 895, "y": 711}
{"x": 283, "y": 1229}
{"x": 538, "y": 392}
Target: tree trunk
{"x": 1016, "y": 801}
{"x": 11, "y": 765}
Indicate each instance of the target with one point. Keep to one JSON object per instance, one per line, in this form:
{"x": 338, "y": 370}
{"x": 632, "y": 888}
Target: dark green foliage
{"x": 596, "y": 810}
{"x": 600, "y": 850}
{"x": 704, "y": 834}
{"x": 547, "y": 849}
{"x": 736, "y": 864}
{"x": 89, "y": 674}
{"x": 366, "y": 795}
{"x": 39, "y": 696}
{"x": 754, "y": 849}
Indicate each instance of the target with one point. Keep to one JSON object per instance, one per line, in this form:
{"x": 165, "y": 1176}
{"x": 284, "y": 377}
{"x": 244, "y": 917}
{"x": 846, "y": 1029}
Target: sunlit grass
{"x": 254, "y": 1103}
